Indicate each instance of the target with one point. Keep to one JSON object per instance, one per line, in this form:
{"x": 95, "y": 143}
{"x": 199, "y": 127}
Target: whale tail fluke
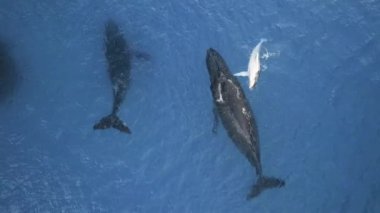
{"x": 265, "y": 183}
{"x": 112, "y": 121}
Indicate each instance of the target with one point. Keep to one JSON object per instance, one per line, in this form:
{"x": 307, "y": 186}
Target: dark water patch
{"x": 9, "y": 77}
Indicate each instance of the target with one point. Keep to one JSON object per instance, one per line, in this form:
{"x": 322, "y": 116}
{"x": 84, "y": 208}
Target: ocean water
{"x": 316, "y": 105}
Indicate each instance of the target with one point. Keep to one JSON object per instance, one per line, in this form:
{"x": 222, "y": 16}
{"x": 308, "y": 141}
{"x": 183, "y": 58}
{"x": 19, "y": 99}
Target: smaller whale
{"x": 119, "y": 57}
{"x": 232, "y": 106}
{"x": 253, "y": 66}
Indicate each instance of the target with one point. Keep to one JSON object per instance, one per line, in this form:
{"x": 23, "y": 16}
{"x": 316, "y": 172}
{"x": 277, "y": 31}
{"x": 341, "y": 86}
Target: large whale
{"x": 235, "y": 112}
{"x": 118, "y": 55}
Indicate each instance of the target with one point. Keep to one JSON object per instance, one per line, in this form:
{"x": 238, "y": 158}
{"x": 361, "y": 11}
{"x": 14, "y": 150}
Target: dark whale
{"x": 8, "y": 74}
{"x": 235, "y": 112}
{"x": 118, "y": 55}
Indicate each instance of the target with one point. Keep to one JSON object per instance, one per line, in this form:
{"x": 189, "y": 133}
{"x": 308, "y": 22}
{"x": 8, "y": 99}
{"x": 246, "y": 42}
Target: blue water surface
{"x": 317, "y": 107}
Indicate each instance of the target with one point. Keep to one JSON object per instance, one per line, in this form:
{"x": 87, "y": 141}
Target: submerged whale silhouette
{"x": 118, "y": 55}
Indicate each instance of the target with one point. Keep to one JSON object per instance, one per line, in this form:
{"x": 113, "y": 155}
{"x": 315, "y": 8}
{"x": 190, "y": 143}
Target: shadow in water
{"x": 8, "y": 74}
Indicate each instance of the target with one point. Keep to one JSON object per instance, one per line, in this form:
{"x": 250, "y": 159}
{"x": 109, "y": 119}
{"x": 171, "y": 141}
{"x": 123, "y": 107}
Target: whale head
{"x": 215, "y": 64}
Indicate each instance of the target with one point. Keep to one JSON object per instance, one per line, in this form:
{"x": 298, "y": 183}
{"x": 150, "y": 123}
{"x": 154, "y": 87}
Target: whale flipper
{"x": 141, "y": 55}
{"x": 243, "y": 74}
{"x": 112, "y": 121}
{"x": 265, "y": 183}
{"x": 216, "y": 120}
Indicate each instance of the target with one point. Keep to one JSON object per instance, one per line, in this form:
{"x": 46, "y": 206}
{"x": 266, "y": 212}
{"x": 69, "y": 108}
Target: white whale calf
{"x": 253, "y": 65}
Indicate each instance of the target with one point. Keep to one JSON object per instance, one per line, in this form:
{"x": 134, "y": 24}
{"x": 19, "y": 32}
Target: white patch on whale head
{"x": 244, "y": 111}
{"x": 238, "y": 93}
{"x": 220, "y": 98}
